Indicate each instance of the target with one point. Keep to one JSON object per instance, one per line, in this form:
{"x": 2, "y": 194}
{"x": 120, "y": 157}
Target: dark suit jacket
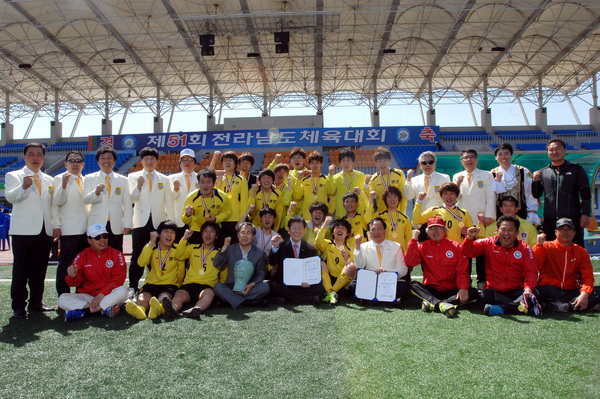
{"x": 233, "y": 254}
{"x": 287, "y": 251}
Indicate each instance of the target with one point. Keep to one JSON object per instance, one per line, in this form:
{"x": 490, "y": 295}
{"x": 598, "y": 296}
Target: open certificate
{"x": 298, "y": 271}
{"x": 378, "y": 287}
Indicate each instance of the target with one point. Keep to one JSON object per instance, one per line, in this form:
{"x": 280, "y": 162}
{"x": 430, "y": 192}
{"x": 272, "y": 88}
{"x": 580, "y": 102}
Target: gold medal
{"x": 315, "y": 196}
{"x": 395, "y": 235}
{"x": 162, "y": 273}
{"x": 201, "y": 272}
{"x": 461, "y": 225}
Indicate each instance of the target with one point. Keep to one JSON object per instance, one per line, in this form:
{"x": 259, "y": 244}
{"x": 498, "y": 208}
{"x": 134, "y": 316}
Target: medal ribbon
{"x": 346, "y": 180}
{"x": 312, "y": 179}
{"x": 266, "y": 202}
{"x": 163, "y": 262}
{"x": 456, "y": 215}
{"x": 263, "y": 241}
{"x": 392, "y": 220}
{"x": 228, "y": 183}
{"x": 205, "y": 257}
{"x": 383, "y": 181}
{"x": 206, "y": 208}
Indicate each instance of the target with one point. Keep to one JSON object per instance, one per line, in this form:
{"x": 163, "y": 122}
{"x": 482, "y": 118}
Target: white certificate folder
{"x": 376, "y": 287}
{"x": 298, "y": 271}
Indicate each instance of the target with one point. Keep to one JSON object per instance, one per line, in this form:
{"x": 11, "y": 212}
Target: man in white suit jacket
{"x": 108, "y": 194}
{"x": 153, "y": 203}
{"x": 476, "y": 195}
{"x": 69, "y": 216}
{"x": 417, "y": 184}
{"x": 367, "y": 256}
{"x": 30, "y": 191}
{"x": 182, "y": 184}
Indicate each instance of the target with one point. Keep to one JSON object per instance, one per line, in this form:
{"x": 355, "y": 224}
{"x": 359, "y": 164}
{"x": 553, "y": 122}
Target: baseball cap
{"x": 95, "y": 230}
{"x": 564, "y": 222}
{"x": 187, "y": 153}
{"x": 436, "y": 221}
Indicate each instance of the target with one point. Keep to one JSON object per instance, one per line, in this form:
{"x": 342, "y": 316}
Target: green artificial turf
{"x": 349, "y": 351}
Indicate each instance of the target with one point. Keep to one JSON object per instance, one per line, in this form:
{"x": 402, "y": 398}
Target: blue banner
{"x": 257, "y": 138}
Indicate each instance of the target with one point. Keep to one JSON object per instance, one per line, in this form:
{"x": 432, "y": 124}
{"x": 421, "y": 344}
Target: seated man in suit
{"x": 98, "y": 272}
{"x": 382, "y": 255}
{"x": 255, "y": 290}
{"x": 295, "y": 248}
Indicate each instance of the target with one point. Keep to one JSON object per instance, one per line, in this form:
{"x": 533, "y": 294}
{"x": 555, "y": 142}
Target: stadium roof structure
{"x": 82, "y": 54}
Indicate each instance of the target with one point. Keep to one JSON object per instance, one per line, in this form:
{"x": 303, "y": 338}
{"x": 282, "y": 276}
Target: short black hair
{"x": 214, "y": 225}
{"x": 469, "y": 151}
{"x": 296, "y": 219}
{"x": 346, "y": 153}
{"x": 559, "y": 141}
{"x": 247, "y": 156}
{"x": 503, "y": 146}
{"x": 207, "y": 173}
{"x": 166, "y": 225}
{"x": 318, "y": 206}
{"x": 391, "y": 190}
{"x": 375, "y": 220}
{"x": 240, "y": 226}
{"x": 74, "y": 152}
{"x": 449, "y": 186}
{"x": 506, "y": 218}
{"x": 350, "y": 195}
{"x": 267, "y": 211}
{"x": 149, "y": 151}
{"x": 231, "y": 155}
{"x": 508, "y": 198}
{"x": 266, "y": 172}
{"x": 34, "y": 145}
{"x": 103, "y": 150}
{"x": 341, "y": 223}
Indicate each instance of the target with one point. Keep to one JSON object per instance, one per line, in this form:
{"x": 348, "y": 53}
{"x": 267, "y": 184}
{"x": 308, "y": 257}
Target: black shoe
{"x": 314, "y": 300}
{"x": 193, "y": 313}
{"x": 170, "y": 310}
{"x": 19, "y": 314}
{"x": 278, "y": 300}
{"x": 40, "y": 308}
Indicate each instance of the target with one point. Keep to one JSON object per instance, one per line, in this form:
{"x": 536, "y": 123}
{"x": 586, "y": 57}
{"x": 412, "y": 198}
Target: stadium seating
{"x": 576, "y": 132}
{"x": 466, "y": 135}
{"x": 91, "y": 165}
{"x": 407, "y": 155}
{"x": 522, "y": 134}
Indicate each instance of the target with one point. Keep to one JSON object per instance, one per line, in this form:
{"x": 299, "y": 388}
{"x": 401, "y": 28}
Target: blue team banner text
{"x": 257, "y": 138}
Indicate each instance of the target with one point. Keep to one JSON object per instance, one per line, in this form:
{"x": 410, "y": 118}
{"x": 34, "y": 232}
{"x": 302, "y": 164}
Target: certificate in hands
{"x": 378, "y": 287}
{"x": 298, "y": 271}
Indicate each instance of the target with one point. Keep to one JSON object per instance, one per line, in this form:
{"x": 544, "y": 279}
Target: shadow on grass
{"x": 21, "y": 332}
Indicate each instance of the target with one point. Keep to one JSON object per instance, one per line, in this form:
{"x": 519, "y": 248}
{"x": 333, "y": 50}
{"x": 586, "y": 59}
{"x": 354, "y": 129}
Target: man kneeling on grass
{"x": 510, "y": 269}
{"x": 255, "y": 290}
{"x": 566, "y": 279}
{"x": 165, "y": 272}
{"x": 98, "y": 272}
{"x": 201, "y": 276}
{"x": 446, "y": 283}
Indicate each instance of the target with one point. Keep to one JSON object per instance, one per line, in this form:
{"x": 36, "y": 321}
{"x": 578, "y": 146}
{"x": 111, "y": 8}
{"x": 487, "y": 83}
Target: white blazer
{"x": 480, "y": 196}
{"x": 179, "y": 197}
{"x": 69, "y": 212}
{"x": 118, "y": 205}
{"x": 416, "y": 185}
{"x": 159, "y": 202}
{"x": 31, "y": 209}
{"x": 392, "y": 257}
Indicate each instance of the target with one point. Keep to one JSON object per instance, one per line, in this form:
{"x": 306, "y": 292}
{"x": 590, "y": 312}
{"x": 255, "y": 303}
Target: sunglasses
{"x": 100, "y": 236}
{"x": 427, "y": 162}
{"x": 75, "y": 160}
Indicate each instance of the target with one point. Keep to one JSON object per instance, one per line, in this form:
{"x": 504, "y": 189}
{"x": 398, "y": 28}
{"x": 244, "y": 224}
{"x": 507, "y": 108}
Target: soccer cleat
{"x": 111, "y": 311}
{"x": 331, "y": 298}
{"x": 193, "y": 313}
{"x": 492, "y": 310}
{"x": 427, "y": 306}
{"x": 156, "y": 308}
{"x": 72, "y": 315}
{"x": 448, "y": 309}
{"x": 170, "y": 310}
{"x": 135, "y": 310}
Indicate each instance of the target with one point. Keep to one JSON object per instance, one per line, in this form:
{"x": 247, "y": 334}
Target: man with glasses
{"x": 69, "y": 216}
{"x": 429, "y": 182}
{"x": 182, "y": 184}
{"x": 98, "y": 273}
{"x": 30, "y": 192}
{"x": 107, "y": 193}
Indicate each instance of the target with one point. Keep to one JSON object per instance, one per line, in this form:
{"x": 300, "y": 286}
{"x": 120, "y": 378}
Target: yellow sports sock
{"x": 135, "y": 310}
{"x": 341, "y": 282}
{"x": 155, "y": 308}
{"x": 326, "y": 280}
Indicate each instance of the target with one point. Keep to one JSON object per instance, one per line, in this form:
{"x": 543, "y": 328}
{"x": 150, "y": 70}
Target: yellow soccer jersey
{"x": 358, "y": 221}
{"x": 201, "y": 270}
{"x": 527, "y": 231}
{"x": 294, "y": 173}
{"x": 379, "y": 183}
{"x": 161, "y": 271}
{"x": 398, "y": 227}
{"x": 342, "y": 183}
{"x": 304, "y": 190}
{"x": 287, "y": 194}
{"x": 453, "y": 221}
{"x": 217, "y": 205}
{"x": 273, "y": 200}
{"x": 236, "y": 188}
{"x": 332, "y": 254}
